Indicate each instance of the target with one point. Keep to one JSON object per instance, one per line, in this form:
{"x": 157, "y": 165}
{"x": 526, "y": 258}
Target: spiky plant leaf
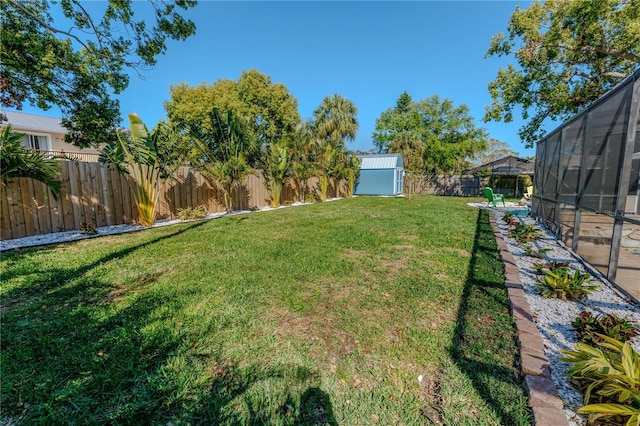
{"x": 597, "y": 411}
{"x": 17, "y": 161}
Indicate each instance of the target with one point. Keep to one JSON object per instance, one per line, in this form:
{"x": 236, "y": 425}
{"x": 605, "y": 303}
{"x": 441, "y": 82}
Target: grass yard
{"x": 359, "y": 311}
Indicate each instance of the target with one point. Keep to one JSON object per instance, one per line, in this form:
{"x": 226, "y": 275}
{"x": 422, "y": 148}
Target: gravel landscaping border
{"x": 544, "y": 325}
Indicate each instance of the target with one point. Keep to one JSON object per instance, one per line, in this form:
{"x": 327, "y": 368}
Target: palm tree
{"x": 326, "y": 165}
{"x": 148, "y": 157}
{"x": 334, "y": 122}
{"x": 221, "y": 154}
{"x": 17, "y": 161}
{"x": 302, "y": 164}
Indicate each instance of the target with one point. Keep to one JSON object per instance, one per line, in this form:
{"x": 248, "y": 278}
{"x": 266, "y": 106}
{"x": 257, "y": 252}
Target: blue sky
{"x": 368, "y": 52}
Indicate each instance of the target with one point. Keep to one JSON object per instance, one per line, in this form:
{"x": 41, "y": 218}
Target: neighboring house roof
{"x": 380, "y": 161}
{"x": 32, "y": 122}
{"x": 507, "y": 166}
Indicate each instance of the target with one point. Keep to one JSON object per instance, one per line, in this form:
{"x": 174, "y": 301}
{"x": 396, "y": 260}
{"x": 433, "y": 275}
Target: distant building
{"x": 380, "y": 174}
{"x": 44, "y": 134}
{"x": 507, "y": 166}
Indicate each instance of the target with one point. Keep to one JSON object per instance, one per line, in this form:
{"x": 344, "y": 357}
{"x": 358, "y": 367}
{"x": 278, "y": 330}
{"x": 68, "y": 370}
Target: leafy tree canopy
{"x": 568, "y": 53}
{"x": 433, "y": 135}
{"x": 270, "y": 109}
{"x": 79, "y": 61}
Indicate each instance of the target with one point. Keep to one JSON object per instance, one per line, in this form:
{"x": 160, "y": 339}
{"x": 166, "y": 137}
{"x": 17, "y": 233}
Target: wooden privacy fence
{"x": 97, "y": 193}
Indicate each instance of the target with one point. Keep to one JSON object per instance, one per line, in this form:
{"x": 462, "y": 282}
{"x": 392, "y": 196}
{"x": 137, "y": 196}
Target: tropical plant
{"x": 552, "y": 266}
{"x": 509, "y": 219}
{"x": 609, "y": 373}
{"x": 326, "y": 158}
{"x": 590, "y": 326}
{"x": 562, "y": 284}
{"x": 148, "y": 157}
{"x": 17, "y": 161}
{"x": 303, "y": 144}
{"x": 334, "y": 122}
{"x": 538, "y": 254}
{"x": 221, "y": 152}
{"x": 524, "y": 233}
{"x": 275, "y": 163}
{"x": 349, "y": 170}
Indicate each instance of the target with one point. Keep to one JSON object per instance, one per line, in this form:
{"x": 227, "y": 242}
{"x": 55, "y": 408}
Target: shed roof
{"x": 381, "y": 161}
{"x": 36, "y": 123}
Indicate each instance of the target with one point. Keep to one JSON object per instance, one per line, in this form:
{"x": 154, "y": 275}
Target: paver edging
{"x": 543, "y": 396}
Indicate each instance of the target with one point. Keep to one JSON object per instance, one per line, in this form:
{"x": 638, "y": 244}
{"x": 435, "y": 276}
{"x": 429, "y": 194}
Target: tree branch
{"x": 36, "y": 18}
{"x": 604, "y": 50}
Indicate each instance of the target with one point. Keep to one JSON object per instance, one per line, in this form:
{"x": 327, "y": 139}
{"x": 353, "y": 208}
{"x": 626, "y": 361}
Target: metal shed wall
{"x": 380, "y": 175}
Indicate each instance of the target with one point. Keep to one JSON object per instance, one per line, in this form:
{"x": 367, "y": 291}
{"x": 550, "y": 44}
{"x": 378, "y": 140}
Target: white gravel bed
{"x": 554, "y": 316}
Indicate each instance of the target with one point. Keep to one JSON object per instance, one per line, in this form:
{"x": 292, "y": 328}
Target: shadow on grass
{"x": 71, "y": 354}
{"x": 484, "y": 347}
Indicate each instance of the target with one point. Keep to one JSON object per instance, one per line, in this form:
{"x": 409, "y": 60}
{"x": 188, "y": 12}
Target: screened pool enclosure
{"x": 587, "y": 184}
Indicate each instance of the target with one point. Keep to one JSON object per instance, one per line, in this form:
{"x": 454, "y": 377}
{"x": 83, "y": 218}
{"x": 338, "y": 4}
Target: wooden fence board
{"x": 26, "y": 196}
{"x": 75, "y": 193}
{"x": 85, "y": 185}
{"x": 52, "y": 206}
{"x": 96, "y": 195}
{"x": 68, "y": 218}
{"x": 107, "y": 197}
{"x": 127, "y": 202}
{"x": 41, "y": 207}
{"x": 16, "y": 210}
{"x": 116, "y": 193}
{"x": 5, "y": 222}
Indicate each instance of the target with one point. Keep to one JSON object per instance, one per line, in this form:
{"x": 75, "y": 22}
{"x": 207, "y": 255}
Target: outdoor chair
{"x": 529, "y": 192}
{"x": 493, "y": 198}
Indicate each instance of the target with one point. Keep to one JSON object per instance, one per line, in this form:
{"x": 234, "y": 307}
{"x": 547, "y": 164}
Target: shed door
{"x": 398, "y": 174}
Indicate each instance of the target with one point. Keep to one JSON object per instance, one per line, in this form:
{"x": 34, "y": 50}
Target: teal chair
{"x": 493, "y": 198}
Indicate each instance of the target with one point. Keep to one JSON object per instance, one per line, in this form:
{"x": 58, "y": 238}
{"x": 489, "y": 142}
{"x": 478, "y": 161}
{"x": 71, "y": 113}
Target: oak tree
{"x": 568, "y": 53}
{"x": 433, "y": 135}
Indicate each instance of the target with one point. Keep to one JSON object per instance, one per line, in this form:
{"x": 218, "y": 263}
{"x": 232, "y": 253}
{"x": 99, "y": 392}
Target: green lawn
{"x": 320, "y": 314}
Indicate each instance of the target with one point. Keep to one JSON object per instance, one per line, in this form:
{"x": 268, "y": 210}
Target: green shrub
{"x": 609, "y": 374}
{"x": 589, "y": 327}
{"x": 562, "y": 284}
{"x": 524, "y": 233}
{"x": 191, "y": 213}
